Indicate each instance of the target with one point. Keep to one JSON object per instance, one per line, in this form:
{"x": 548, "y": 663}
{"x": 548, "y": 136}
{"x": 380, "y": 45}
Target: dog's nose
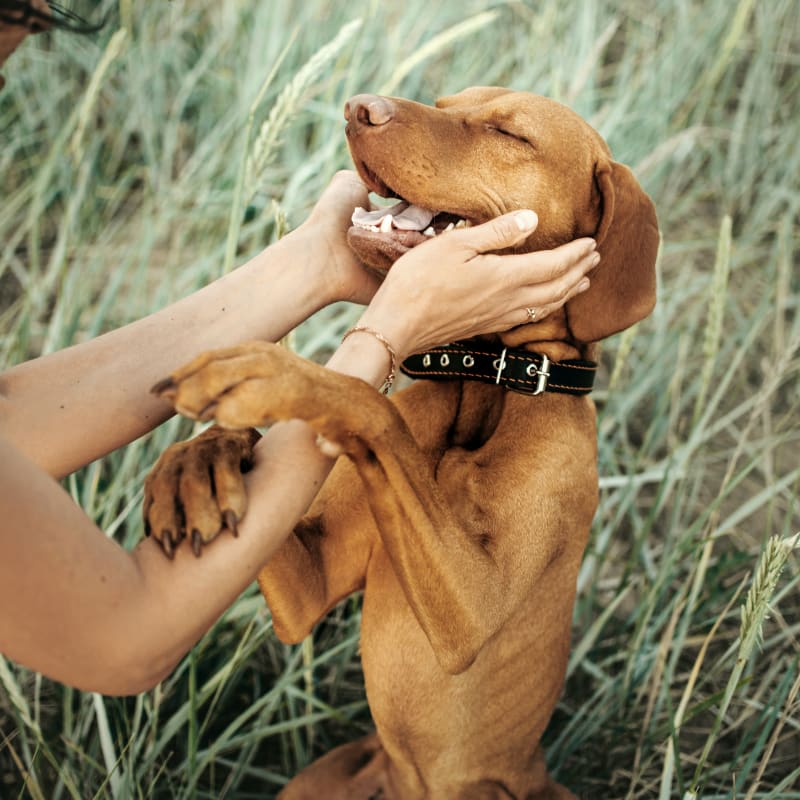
{"x": 369, "y": 109}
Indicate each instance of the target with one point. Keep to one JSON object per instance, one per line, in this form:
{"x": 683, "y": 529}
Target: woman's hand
{"x": 324, "y": 234}
{"x": 454, "y": 286}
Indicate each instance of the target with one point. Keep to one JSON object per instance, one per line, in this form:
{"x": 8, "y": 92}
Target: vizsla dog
{"x": 464, "y": 504}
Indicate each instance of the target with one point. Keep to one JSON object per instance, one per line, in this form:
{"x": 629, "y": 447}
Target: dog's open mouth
{"x": 403, "y": 220}
{"x": 381, "y": 236}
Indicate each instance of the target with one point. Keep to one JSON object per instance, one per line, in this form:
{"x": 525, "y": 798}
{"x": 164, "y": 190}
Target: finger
{"x": 579, "y": 253}
{"x": 546, "y": 266}
{"x": 556, "y": 292}
{"x": 537, "y": 312}
{"x": 345, "y": 191}
{"x": 347, "y": 180}
{"x": 498, "y": 233}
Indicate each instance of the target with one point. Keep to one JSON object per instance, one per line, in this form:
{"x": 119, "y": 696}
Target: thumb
{"x": 342, "y": 194}
{"x": 500, "y": 232}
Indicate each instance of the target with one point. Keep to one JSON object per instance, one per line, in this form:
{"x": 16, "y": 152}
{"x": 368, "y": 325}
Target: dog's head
{"x": 486, "y": 151}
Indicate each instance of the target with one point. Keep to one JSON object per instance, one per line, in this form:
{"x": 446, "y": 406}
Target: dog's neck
{"x": 551, "y": 337}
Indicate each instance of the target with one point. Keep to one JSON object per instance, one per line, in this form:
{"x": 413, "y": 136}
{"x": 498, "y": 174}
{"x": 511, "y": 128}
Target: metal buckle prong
{"x": 500, "y": 364}
{"x": 542, "y": 373}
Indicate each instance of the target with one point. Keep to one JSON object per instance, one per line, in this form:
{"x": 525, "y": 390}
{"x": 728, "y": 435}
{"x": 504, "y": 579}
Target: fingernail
{"x": 595, "y": 259}
{"x": 526, "y": 220}
{"x": 583, "y": 285}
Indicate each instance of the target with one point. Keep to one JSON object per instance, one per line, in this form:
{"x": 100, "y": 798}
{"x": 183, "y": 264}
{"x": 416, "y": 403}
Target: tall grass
{"x": 123, "y": 188}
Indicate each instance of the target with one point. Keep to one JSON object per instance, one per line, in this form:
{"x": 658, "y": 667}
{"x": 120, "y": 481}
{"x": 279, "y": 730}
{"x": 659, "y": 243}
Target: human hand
{"x": 325, "y": 235}
{"x": 196, "y": 488}
{"x": 454, "y": 287}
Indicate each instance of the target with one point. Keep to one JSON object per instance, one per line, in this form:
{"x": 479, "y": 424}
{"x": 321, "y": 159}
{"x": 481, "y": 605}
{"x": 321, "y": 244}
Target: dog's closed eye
{"x": 510, "y": 134}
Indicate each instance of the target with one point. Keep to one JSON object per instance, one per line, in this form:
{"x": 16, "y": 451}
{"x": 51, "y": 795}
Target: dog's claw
{"x": 207, "y": 413}
{"x": 163, "y": 386}
{"x": 166, "y": 544}
{"x": 197, "y": 543}
{"x": 229, "y": 518}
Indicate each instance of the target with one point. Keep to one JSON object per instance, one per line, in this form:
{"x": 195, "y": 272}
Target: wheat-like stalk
{"x": 256, "y": 159}
{"x": 436, "y": 45}
{"x": 754, "y": 613}
{"x": 286, "y": 106}
{"x": 113, "y": 49}
{"x": 716, "y": 312}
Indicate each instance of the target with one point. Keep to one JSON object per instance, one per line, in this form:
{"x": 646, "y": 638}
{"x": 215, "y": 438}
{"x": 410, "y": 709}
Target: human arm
{"x": 68, "y": 408}
{"x": 84, "y": 611}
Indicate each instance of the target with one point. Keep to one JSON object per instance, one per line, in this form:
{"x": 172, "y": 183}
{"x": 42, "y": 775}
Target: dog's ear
{"x": 623, "y": 285}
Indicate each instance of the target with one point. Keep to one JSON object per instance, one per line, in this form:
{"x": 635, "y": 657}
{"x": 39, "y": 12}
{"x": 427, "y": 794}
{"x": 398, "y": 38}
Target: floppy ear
{"x": 623, "y": 285}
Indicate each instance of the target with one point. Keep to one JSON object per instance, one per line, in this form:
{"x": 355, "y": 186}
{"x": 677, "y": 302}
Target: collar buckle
{"x": 532, "y": 371}
{"x": 500, "y": 364}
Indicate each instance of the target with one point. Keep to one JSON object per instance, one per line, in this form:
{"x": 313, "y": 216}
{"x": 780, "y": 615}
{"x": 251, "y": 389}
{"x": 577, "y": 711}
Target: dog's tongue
{"x": 404, "y": 217}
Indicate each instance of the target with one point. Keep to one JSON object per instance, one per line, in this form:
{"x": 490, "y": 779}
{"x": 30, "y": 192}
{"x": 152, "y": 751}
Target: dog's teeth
{"x": 467, "y": 224}
{"x": 374, "y": 228}
{"x": 462, "y": 223}
{"x": 449, "y": 227}
{"x": 429, "y": 231}
{"x": 386, "y": 223}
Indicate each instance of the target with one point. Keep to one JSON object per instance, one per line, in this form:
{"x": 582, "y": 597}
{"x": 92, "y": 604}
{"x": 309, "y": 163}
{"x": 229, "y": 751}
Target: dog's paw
{"x": 245, "y": 386}
{"x": 196, "y": 488}
{"x": 219, "y": 384}
{"x": 256, "y": 384}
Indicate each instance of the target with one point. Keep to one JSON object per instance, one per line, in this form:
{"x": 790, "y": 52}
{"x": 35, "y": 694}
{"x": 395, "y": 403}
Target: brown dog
{"x": 465, "y": 505}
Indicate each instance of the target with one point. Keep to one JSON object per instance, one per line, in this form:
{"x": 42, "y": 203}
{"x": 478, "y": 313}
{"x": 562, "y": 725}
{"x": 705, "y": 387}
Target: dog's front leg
{"x": 323, "y": 561}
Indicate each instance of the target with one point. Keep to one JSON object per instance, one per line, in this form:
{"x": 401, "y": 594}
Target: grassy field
{"x": 139, "y": 163}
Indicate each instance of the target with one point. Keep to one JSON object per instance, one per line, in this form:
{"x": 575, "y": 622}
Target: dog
{"x": 465, "y": 502}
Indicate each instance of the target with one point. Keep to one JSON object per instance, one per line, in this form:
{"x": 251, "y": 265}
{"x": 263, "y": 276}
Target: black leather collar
{"x": 519, "y": 370}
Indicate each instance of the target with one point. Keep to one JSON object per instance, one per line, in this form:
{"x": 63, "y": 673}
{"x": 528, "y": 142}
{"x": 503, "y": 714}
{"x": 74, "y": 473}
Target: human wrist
{"x": 395, "y": 326}
{"x": 320, "y": 259}
{"x": 362, "y": 355}
{"x": 300, "y": 257}
{"x": 388, "y": 381}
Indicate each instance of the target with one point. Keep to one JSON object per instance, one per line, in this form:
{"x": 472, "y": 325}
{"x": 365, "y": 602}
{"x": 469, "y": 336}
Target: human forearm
{"x": 181, "y": 599}
{"x": 84, "y": 611}
{"x": 101, "y": 618}
{"x": 68, "y": 408}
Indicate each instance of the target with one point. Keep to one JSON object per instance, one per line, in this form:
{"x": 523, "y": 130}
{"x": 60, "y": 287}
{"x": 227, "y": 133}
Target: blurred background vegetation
{"x": 141, "y": 162}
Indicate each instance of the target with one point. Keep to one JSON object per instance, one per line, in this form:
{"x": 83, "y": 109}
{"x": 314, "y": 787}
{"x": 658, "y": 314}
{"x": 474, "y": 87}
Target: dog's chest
{"x": 451, "y": 414}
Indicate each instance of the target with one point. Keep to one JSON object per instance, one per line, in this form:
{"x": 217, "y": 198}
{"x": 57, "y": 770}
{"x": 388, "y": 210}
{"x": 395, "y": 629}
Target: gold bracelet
{"x": 387, "y": 384}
